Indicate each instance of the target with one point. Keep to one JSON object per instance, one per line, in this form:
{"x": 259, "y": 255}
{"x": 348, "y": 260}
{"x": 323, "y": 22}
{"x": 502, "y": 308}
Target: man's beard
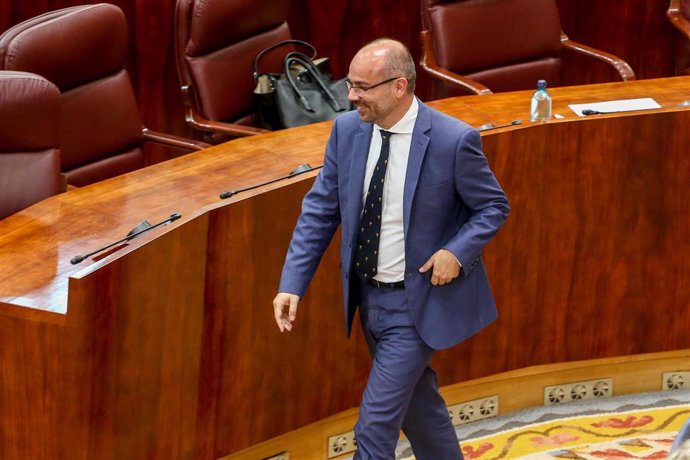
{"x": 364, "y": 112}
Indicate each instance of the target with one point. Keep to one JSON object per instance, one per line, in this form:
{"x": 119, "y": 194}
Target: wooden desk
{"x": 167, "y": 348}
{"x": 502, "y": 108}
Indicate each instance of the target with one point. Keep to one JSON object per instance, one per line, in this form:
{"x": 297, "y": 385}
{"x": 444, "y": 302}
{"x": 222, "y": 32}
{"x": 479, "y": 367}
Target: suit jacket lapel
{"x": 418, "y": 146}
{"x": 358, "y": 165}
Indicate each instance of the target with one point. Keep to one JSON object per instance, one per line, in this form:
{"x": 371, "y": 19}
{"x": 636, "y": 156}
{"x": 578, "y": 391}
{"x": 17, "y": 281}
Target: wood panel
{"x": 268, "y": 379}
{"x": 594, "y": 242}
{"x": 121, "y": 370}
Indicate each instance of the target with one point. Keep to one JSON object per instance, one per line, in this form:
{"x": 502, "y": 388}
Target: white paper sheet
{"x": 623, "y": 105}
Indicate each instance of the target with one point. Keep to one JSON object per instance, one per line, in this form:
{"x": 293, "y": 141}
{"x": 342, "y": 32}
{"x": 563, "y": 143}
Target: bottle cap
{"x": 541, "y": 84}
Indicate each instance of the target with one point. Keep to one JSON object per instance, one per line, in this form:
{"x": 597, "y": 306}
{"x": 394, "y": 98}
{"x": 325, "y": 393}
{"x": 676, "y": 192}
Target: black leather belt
{"x": 381, "y": 284}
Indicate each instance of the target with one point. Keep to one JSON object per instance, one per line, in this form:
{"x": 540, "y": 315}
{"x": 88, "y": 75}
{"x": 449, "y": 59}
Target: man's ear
{"x": 401, "y": 86}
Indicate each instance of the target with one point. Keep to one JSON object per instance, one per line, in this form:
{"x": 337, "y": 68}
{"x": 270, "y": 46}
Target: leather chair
{"x": 83, "y": 51}
{"x": 216, "y": 42}
{"x": 679, "y": 15}
{"x": 482, "y": 46}
{"x": 29, "y": 155}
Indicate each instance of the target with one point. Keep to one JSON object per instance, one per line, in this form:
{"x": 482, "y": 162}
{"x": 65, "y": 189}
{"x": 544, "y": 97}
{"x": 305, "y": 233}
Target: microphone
{"x": 489, "y": 126}
{"x": 598, "y": 112}
{"x": 144, "y": 226}
{"x": 301, "y": 169}
{"x": 304, "y": 167}
{"x": 594, "y": 112}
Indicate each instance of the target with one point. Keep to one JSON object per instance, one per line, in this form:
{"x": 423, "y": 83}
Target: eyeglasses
{"x": 360, "y": 90}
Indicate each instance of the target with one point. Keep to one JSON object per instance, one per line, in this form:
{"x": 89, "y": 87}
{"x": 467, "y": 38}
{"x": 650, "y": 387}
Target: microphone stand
{"x": 596, "y": 112}
{"x": 141, "y": 228}
{"x": 490, "y": 126}
{"x": 301, "y": 169}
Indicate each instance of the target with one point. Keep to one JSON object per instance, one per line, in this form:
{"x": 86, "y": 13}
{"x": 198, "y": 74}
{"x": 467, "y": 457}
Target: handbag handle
{"x": 278, "y": 45}
{"x": 309, "y": 66}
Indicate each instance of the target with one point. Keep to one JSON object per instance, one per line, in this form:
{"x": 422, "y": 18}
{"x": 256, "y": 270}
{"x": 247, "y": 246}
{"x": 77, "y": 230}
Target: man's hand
{"x": 445, "y": 267}
{"x": 281, "y": 303}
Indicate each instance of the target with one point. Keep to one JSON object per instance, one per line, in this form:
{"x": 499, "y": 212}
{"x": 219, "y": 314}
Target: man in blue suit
{"x": 417, "y": 202}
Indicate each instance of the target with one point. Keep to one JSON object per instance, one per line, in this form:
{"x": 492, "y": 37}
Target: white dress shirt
{"x": 391, "y": 261}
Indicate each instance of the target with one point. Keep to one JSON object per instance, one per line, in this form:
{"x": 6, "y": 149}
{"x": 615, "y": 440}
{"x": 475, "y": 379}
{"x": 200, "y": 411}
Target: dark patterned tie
{"x": 367, "y": 250}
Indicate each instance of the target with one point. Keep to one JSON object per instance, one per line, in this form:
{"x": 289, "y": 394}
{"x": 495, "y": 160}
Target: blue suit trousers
{"x": 402, "y": 391}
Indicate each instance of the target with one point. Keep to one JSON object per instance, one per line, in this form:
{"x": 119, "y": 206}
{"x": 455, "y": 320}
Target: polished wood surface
{"x": 166, "y": 348}
{"x": 503, "y": 108}
{"x": 105, "y": 212}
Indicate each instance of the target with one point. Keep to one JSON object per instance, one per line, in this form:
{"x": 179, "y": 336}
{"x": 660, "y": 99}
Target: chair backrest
{"x": 29, "y": 155}
{"x": 685, "y": 9}
{"x": 83, "y": 51}
{"x": 216, "y": 42}
{"x": 683, "y": 43}
{"x": 504, "y": 44}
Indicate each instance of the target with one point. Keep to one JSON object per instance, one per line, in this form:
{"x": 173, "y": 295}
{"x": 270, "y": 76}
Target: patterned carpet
{"x": 620, "y": 428}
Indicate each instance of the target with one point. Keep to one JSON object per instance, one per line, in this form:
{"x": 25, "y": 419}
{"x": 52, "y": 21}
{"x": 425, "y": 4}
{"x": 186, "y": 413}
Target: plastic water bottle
{"x": 540, "y": 109}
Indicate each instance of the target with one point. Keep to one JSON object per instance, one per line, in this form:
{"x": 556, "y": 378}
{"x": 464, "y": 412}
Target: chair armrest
{"x": 677, "y": 19}
{"x": 203, "y": 124}
{"x": 171, "y": 140}
{"x": 623, "y": 68}
{"x": 429, "y": 64}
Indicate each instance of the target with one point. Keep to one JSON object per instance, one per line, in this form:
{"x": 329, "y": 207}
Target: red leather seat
{"x": 83, "y": 51}
{"x": 679, "y": 15}
{"x": 216, "y": 42}
{"x": 29, "y": 155}
{"x": 482, "y": 46}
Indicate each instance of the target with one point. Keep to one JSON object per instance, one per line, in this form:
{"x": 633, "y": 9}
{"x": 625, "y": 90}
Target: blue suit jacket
{"x": 451, "y": 200}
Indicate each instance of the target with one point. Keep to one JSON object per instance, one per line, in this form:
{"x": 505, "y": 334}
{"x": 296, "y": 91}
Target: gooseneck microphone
{"x": 599, "y": 112}
{"x": 490, "y": 126}
{"x": 301, "y": 169}
{"x": 144, "y": 226}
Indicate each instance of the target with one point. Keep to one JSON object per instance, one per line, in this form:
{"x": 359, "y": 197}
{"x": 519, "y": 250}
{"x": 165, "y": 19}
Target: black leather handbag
{"x": 305, "y": 93}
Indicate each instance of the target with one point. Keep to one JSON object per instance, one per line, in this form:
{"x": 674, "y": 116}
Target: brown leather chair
{"x": 29, "y": 155}
{"x": 482, "y": 46}
{"x": 679, "y": 15}
{"x": 216, "y": 42}
{"x": 83, "y": 51}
